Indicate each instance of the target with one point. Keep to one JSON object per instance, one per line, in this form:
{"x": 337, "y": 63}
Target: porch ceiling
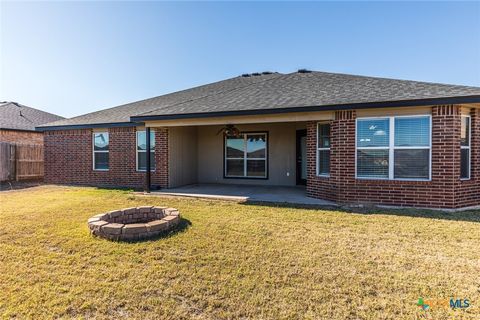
{"x": 273, "y": 118}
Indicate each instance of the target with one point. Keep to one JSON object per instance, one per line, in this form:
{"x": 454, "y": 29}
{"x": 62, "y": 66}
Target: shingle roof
{"x": 122, "y": 114}
{"x": 15, "y": 116}
{"x": 296, "y": 90}
{"x": 276, "y": 93}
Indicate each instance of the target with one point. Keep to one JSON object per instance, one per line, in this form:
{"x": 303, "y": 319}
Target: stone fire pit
{"x": 134, "y": 223}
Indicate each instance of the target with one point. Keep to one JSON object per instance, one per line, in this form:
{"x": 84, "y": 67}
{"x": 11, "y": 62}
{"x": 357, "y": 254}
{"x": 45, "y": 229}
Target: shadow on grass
{"x": 468, "y": 215}
{"x": 18, "y": 185}
{"x": 183, "y": 225}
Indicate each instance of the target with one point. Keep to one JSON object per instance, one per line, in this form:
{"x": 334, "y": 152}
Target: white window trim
{"x": 391, "y": 148}
{"x": 325, "y": 175}
{"x": 137, "y": 151}
{"x": 468, "y": 148}
{"x": 99, "y": 151}
{"x": 245, "y": 158}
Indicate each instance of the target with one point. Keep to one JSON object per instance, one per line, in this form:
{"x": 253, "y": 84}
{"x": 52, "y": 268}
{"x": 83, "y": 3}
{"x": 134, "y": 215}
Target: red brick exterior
{"x": 445, "y": 190}
{"x": 23, "y": 137}
{"x": 467, "y": 192}
{"x": 69, "y": 159}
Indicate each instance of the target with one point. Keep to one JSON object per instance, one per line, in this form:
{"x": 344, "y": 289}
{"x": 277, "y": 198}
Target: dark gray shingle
{"x": 276, "y": 91}
{"x": 319, "y": 89}
{"x": 15, "y": 116}
{"x": 123, "y": 113}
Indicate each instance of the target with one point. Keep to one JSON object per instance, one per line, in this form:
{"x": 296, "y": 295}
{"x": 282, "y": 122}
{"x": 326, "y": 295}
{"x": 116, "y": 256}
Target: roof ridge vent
{"x": 256, "y": 74}
{"x": 304, "y": 71}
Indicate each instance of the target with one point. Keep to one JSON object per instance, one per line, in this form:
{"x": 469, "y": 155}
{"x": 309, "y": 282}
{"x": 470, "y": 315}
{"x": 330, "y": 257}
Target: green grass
{"x": 232, "y": 261}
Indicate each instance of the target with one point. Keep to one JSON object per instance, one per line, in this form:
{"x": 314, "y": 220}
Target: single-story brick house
{"x": 349, "y": 139}
{"x": 18, "y": 122}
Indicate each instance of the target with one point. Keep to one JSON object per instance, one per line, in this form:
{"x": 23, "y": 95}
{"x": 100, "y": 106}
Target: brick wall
{"x": 161, "y": 157}
{"x": 317, "y": 186}
{"x": 342, "y": 157}
{"x": 25, "y": 137}
{"x": 445, "y": 190}
{"x": 69, "y": 159}
{"x": 468, "y": 191}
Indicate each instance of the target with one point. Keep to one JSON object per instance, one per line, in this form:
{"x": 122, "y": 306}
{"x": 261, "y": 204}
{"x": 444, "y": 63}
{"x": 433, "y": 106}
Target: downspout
{"x": 148, "y": 164}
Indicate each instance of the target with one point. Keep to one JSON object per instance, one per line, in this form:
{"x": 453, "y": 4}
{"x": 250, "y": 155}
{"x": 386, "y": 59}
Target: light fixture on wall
{"x": 229, "y": 131}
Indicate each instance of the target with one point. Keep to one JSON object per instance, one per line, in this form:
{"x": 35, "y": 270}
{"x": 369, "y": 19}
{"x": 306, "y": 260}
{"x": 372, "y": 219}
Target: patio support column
{"x": 148, "y": 164}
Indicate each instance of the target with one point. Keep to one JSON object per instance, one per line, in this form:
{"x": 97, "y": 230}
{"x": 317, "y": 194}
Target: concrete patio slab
{"x": 250, "y": 193}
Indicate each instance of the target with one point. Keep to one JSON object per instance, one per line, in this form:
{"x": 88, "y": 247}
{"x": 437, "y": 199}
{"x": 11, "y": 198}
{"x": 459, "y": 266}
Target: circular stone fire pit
{"x": 134, "y": 223}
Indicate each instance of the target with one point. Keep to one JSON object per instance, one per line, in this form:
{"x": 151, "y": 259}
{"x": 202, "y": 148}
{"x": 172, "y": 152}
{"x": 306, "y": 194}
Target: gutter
{"x": 89, "y": 126}
{"x": 22, "y": 130}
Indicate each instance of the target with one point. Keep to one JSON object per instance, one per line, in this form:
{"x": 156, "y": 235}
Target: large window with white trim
{"x": 246, "y": 156}
{"x": 142, "y": 150}
{"x": 100, "y": 151}
{"x": 394, "y": 148}
{"x": 465, "y": 147}
{"x": 323, "y": 149}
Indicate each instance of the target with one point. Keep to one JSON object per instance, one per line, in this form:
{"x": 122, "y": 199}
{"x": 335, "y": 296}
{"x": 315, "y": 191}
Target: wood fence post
{"x": 15, "y": 148}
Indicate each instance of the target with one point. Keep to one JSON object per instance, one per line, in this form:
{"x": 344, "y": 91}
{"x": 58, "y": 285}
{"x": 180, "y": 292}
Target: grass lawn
{"x": 232, "y": 261}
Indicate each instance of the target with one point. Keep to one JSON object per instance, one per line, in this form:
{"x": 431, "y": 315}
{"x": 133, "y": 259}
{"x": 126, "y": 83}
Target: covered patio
{"x": 264, "y": 160}
{"x": 246, "y": 193}
{"x": 260, "y": 154}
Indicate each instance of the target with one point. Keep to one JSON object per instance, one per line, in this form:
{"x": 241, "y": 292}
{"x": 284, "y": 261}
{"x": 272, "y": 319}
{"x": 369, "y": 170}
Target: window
{"x": 465, "y": 148}
{"x": 373, "y": 138}
{"x": 323, "y": 149}
{"x": 142, "y": 150}
{"x": 394, "y": 148}
{"x": 246, "y": 156}
{"x": 100, "y": 151}
{"x": 412, "y": 148}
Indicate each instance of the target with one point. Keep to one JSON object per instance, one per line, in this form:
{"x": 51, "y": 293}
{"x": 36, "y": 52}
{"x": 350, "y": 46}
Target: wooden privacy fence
{"x": 21, "y": 161}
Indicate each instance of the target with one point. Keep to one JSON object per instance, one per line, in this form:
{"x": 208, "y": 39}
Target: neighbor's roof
{"x": 15, "y": 116}
{"x": 273, "y": 93}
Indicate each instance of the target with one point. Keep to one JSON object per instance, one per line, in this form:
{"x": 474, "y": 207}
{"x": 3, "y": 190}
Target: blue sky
{"x": 73, "y": 58}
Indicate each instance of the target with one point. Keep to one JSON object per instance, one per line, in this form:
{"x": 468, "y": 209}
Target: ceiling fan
{"x": 229, "y": 131}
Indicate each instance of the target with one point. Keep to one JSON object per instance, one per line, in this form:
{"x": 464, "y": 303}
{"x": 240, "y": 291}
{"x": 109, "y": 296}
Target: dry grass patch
{"x": 232, "y": 261}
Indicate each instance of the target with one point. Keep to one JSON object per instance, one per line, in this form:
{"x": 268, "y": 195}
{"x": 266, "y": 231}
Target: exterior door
{"x": 302, "y": 157}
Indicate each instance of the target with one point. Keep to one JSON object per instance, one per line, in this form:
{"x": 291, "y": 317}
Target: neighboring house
{"x": 350, "y": 139}
{"x": 18, "y": 122}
